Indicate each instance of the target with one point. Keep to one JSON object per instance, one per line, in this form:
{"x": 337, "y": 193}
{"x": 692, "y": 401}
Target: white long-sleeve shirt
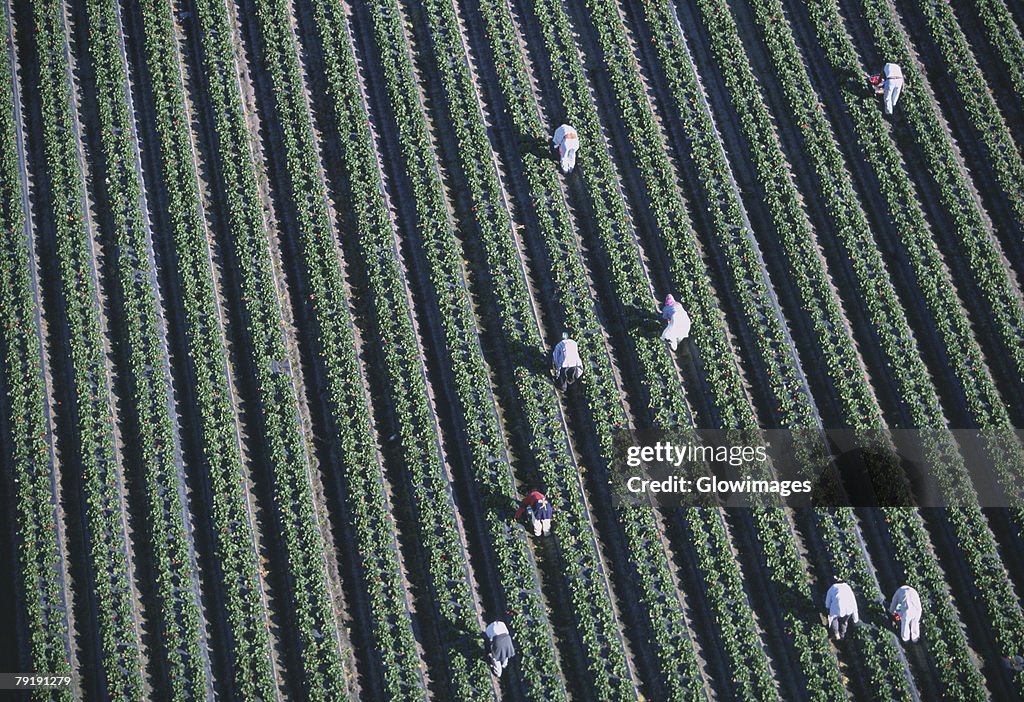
{"x": 892, "y": 72}
{"x": 567, "y": 355}
{"x": 907, "y": 602}
{"x": 678, "y": 326}
{"x": 840, "y": 602}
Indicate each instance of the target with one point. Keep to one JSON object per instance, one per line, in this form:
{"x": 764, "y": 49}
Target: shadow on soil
{"x": 644, "y": 321}
{"x": 537, "y": 146}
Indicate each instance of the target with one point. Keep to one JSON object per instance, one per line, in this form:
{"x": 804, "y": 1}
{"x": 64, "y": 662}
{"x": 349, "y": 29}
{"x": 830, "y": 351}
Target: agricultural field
{"x": 280, "y": 282}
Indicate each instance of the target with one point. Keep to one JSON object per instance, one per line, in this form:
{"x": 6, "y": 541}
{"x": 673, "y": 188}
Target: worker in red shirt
{"x": 877, "y": 83}
{"x": 536, "y": 505}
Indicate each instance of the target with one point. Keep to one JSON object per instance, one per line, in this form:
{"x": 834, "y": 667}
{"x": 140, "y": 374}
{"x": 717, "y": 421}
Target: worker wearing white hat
{"x": 567, "y": 141}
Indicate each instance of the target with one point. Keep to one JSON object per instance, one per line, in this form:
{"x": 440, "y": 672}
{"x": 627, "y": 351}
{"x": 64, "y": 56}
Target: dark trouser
{"x": 839, "y": 626}
{"x": 566, "y": 377}
{"x": 501, "y": 652}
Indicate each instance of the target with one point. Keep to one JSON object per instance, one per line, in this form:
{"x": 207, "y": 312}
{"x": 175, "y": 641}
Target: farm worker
{"x": 502, "y": 649}
{"x": 677, "y": 322}
{"x": 905, "y": 609}
{"x": 893, "y": 85}
{"x": 539, "y": 508}
{"x": 566, "y": 362}
{"x": 842, "y": 608}
{"x": 567, "y": 141}
{"x": 877, "y": 83}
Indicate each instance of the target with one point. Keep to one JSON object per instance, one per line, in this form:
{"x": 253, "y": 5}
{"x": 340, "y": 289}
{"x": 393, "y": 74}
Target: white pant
{"x": 568, "y": 159}
{"x": 891, "y": 93}
{"x": 910, "y": 629}
{"x": 540, "y": 525}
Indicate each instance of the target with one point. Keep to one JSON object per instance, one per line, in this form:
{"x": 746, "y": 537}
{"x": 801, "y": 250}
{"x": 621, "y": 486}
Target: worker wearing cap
{"x": 502, "y": 649}
{"x": 892, "y": 87}
{"x": 566, "y": 363}
{"x": 567, "y": 141}
{"x": 905, "y": 609}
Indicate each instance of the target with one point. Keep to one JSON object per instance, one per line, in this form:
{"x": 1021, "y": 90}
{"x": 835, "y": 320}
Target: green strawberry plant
{"x": 102, "y": 483}
{"x": 39, "y": 529}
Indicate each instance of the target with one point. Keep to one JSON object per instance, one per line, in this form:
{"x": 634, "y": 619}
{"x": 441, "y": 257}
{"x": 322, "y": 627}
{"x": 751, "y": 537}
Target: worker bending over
{"x": 677, "y": 322}
{"x": 905, "y": 609}
{"x": 892, "y": 87}
{"x": 567, "y": 142}
{"x": 877, "y": 83}
{"x": 502, "y": 649}
{"x": 842, "y": 608}
{"x": 566, "y": 363}
{"x": 540, "y": 511}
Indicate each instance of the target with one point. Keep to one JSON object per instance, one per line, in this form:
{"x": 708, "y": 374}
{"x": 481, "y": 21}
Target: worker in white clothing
{"x": 905, "y": 609}
{"x": 842, "y": 608}
{"x": 502, "y": 649}
{"x": 892, "y": 87}
{"x": 566, "y": 363}
{"x": 677, "y": 322}
{"x": 567, "y": 141}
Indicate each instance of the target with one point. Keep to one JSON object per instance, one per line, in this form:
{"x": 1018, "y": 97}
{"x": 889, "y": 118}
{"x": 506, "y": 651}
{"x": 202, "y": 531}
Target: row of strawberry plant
{"x": 742, "y": 641}
{"x": 877, "y": 289}
{"x": 1002, "y": 32}
{"x": 773, "y": 531}
{"x": 731, "y": 228}
{"x": 881, "y": 647}
{"x": 883, "y": 650}
{"x": 955, "y": 192}
{"x": 893, "y": 331}
{"x": 418, "y": 433}
{"x": 103, "y": 486}
{"x": 981, "y": 106}
{"x": 375, "y": 528}
{"x": 933, "y": 278}
{"x": 565, "y": 263}
{"x": 795, "y": 406}
{"x": 309, "y": 588}
{"x": 666, "y": 399}
{"x": 41, "y": 563}
{"x": 492, "y": 219}
{"x": 848, "y": 378}
{"x": 490, "y": 462}
{"x": 251, "y": 665}
{"x": 148, "y": 370}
